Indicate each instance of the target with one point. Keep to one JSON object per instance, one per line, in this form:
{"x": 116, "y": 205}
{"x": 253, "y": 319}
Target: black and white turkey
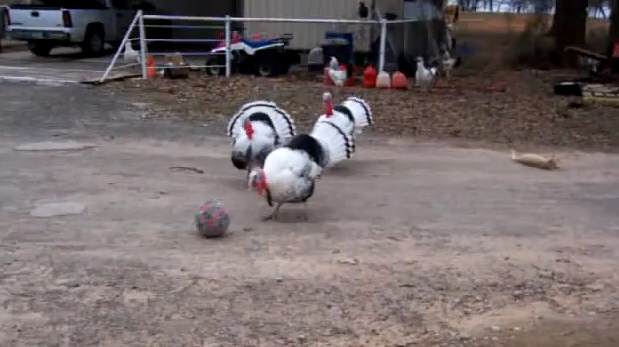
{"x": 289, "y": 173}
{"x": 257, "y": 129}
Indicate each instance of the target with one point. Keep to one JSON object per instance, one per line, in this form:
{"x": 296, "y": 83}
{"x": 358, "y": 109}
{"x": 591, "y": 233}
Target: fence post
{"x": 228, "y": 46}
{"x": 383, "y": 45}
{"x": 143, "y": 47}
{"x": 121, "y": 47}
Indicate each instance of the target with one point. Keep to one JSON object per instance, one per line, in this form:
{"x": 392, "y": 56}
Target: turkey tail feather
{"x": 238, "y": 118}
{"x": 311, "y": 146}
{"x": 345, "y": 110}
{"x": 280, "y": 120}
{"x": 338, "y": 145}
{"x": 360, "y": 111}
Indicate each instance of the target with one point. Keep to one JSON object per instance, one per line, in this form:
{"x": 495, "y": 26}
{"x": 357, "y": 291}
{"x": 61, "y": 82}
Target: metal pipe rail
{"x": 226, "y": 21}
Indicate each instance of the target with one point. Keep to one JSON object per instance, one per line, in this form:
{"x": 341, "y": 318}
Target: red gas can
{"x": 369, "y": 77}
{"x": 350, "y": 78}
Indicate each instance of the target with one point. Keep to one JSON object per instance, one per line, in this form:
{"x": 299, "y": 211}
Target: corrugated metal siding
{"x": 192, "y": 8}
{"x": 305, "y": 35}
{"x": 392, "y": 6}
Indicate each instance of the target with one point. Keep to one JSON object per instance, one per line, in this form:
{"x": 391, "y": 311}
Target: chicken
{"x": 258, "y": 128}
{"x": 424, "y": 76}
{"x": 130, "y": 55}
{"x": 351, "y": 116}
{"x": 290, "y": 172}
{"x": 337, "y": 76}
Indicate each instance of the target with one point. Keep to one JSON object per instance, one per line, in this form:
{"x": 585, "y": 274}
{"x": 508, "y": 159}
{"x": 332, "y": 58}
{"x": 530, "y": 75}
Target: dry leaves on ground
{"x": 508, "y": 107}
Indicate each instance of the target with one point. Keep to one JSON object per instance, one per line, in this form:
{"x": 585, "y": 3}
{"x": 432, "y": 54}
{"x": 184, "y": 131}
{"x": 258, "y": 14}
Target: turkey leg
{"x": 305, "y": 217}
{"x": 273, "y": 214}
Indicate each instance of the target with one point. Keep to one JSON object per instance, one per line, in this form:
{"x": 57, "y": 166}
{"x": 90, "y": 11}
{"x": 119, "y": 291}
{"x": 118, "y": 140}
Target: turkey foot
{"x": 273, "y": 215}
{"x": 268, "y": 217}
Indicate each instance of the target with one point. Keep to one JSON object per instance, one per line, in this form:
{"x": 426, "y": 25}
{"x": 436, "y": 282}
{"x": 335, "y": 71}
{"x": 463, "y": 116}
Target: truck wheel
{"x": 39, "y": 49}
{"x": 94, "y": 42}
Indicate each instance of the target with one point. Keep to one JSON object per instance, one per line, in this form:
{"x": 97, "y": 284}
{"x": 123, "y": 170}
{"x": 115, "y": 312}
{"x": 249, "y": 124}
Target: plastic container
{"x": 315, "y": 60}
{"x": 350, "y": 78}
{"x": 399, "y": 81}
{"x": 383, "y": 80}
{"x": 369, "y": 77}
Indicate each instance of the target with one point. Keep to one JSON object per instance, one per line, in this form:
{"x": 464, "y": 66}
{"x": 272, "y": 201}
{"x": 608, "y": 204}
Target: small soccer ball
{"x": 212, "y": 219}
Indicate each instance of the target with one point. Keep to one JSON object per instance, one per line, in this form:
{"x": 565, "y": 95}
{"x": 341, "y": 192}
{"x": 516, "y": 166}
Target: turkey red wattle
{"x": 328, "y": 108}
{"x": 249, "y": 129}
{"x": 261, "y": 183}
{"x": 328, "y": 104}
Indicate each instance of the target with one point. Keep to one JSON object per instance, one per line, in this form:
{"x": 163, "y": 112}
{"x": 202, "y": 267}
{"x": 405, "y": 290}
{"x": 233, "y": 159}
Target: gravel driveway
{"x": 407, "y": 244}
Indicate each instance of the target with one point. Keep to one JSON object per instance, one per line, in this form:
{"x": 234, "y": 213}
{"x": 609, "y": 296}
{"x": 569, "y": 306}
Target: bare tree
{"x": 569, "y": 27}
{"x": 541, "y": 6}
{"x": 468, "y": 5}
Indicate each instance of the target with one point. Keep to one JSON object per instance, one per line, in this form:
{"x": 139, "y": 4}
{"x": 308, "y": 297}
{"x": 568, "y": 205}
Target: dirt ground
{"x": 429, "y": 236}
{"x": 485, "y": 101}
{"x": 410, "y": 243}
{"x": 515, "y": 107}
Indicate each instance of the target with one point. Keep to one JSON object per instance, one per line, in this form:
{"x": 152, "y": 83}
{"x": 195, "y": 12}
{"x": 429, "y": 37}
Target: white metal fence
{"x": 143, "y": 23}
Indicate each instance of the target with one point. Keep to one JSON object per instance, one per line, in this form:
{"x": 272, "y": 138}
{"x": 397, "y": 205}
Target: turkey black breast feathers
{"x": 345, "y": 110}
{"x": 311, "y": 146}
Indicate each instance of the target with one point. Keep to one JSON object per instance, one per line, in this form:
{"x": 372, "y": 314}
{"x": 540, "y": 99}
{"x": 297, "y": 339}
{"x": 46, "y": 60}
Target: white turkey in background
{"x": 257, "y": 129}
{"x": 352, "y": 115}
{"x": 290, "y": 172}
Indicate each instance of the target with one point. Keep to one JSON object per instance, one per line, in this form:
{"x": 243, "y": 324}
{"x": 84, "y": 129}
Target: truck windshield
{"x": 68, "y": 4}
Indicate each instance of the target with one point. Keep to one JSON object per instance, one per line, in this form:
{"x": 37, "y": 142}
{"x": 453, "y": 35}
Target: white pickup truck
{"x": 89, "y": 24}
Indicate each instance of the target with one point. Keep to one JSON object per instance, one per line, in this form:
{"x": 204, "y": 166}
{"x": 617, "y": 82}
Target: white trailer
{"x": 309, "y": 35}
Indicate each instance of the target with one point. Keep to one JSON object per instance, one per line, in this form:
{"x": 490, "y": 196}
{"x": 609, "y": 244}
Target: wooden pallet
{"x": 600, "y": 94}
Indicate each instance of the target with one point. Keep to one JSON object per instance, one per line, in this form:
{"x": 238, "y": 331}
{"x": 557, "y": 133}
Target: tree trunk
{"x": 613, "y": 33}
{"x": 569, "y": 27}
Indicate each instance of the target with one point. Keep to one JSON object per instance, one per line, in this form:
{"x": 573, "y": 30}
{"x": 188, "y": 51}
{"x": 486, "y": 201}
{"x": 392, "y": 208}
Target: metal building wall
{"x": 193, "y": 8}
{"x": 305, "y": 35}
